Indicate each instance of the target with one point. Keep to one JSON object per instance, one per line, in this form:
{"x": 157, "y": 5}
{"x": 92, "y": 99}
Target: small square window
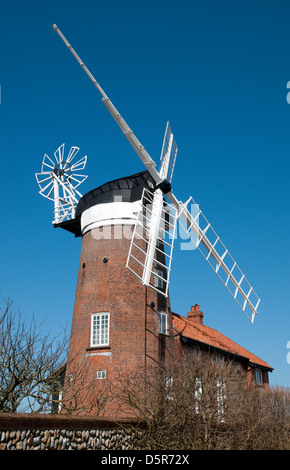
{"x": 101, "y": 374}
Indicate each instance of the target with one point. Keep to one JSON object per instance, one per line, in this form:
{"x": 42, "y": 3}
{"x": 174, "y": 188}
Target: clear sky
{"x": 218, "y": 71}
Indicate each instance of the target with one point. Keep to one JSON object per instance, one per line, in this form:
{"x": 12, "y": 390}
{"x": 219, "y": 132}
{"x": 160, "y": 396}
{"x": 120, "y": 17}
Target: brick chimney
{"x": 195, "y": 315}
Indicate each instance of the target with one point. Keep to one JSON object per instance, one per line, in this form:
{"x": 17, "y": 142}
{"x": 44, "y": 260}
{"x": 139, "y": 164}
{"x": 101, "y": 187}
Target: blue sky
{"x": 218, "y": 71}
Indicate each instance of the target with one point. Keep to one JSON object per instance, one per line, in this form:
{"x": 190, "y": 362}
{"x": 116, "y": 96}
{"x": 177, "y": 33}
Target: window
{"x": 70, "y": 378}
{"x": 60, "y": 396}
{"x": 100, "y": 329}
{"x": 197, "y": 395}
{"x": 168, "y": 387}
{"x": 158, "y": 279}
{"x": 101, "y": 374}
{"x": 221, "y": 400}
{"x": 162, "y": 322}
{"x": 220, "y": 360}
{"x": 259, "y": 376}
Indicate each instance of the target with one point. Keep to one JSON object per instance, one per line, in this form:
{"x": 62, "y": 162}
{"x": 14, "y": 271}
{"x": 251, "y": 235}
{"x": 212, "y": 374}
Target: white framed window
{"x": 60, "y": 397}
{"x": 221, "y": 400}
{"x": 169, "y": 387}
{"x": 70, "y": 378}
{"x": 197, "y": 395}
{"x": 100, "y": 323}
{"x": 162, "y": 323}
{"x": 158, "y": 279}
{"x": 101, "y": 374}
{"x": 259, "y": 376}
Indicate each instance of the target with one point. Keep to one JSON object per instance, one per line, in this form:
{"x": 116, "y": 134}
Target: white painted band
{"x": 113, "y": 213}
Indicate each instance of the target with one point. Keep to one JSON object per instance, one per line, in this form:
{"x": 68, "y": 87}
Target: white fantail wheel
{"x": 58, "y": 181}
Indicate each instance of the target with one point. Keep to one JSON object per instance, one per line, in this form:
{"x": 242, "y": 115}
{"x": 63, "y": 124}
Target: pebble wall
{"x": 19, "y": 432}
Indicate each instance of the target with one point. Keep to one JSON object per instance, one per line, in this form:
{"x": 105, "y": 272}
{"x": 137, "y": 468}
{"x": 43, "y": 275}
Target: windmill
{"x": 58, "y": 181}
{"x": 163, "y": 202}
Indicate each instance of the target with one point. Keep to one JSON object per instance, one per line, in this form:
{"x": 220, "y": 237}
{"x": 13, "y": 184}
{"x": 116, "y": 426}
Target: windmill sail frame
{"x": 209, "y": 244}
{"x": 150, "y": 258}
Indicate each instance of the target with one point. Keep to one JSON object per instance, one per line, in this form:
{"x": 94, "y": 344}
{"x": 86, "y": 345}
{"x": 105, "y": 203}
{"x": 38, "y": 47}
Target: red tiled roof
{"x": 211, "y": 337}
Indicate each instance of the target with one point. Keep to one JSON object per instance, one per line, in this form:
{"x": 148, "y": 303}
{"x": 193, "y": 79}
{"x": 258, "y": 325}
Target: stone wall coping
{"x": 12, "y": 421}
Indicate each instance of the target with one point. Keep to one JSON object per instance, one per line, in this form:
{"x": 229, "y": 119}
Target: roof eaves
{"x": 187, "y": 339}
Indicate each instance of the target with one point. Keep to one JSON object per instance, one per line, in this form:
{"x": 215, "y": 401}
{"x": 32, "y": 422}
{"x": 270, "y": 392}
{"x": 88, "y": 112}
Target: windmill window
{"x": 162, "y": 323}
{"x": 158, "y": 278}
{"x": 101, "y": 374}
{"x": 100, "y": 329}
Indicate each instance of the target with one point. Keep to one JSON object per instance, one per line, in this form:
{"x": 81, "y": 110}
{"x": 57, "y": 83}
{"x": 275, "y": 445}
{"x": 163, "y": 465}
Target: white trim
{"x": 111, "y": 213}
{"x": 103, "y": 353}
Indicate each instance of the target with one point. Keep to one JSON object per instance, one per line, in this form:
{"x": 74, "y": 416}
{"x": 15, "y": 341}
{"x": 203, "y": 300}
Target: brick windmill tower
{"x": 122, "y": 316}
{"x": 120, "y": 325}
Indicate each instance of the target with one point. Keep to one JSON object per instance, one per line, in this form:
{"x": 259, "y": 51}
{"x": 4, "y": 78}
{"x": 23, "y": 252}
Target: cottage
{"x": 193, "y": 333}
